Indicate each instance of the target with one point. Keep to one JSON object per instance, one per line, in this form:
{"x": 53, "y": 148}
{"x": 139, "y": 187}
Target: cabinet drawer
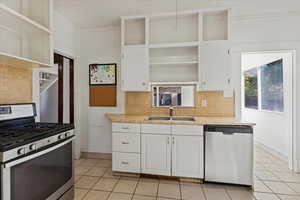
{"x": 126, "y": 142}
{"x": 187, "y": 130}
{"x": 126, "y": 162}
{"x": 126, "y": 127}
{"x": 156, "y": 128}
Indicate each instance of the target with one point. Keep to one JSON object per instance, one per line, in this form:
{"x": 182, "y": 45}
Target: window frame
{"x": 170, "y": 85}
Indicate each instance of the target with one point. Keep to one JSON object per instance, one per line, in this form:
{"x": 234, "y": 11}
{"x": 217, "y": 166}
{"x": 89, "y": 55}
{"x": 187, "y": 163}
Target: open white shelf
{"x": 175, "y": 73}
{"x": 174, "y": 29}
{"x": 173, "y": 63}
{"x": 12, "y": 60}
{"x": 175, "y": 44}
{"x": 174, "y": 56}
{"x": 134, "y": 31}
{"x": 34, "y": 12}
{"x": 215, "y": 25}
{"x": 22, "y": 40}
{"x": 182, "y": 46}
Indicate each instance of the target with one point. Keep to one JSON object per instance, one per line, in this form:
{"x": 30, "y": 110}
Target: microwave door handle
{"x": 35, "y": 155}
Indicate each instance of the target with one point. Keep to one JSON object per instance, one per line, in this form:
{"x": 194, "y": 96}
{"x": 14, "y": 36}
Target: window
{"x": 272, "y": 86}
{"x": 251, "y": 90}
{"x": 264, "y": 87}
{"x": 173, "y": 95}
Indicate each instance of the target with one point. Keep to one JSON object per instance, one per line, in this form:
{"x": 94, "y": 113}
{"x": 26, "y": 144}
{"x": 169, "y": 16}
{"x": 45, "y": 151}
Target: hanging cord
{"x": 177, "y": 15}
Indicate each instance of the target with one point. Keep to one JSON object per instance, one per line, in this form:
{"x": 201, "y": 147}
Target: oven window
{"x": 38, "y": 178}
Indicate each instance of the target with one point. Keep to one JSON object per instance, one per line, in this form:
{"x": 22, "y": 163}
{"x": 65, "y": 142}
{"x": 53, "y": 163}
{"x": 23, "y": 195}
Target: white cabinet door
{"x": 215, "y": 70}
{"x": 156, "y": 154}
{"x": 135, "y": 69}
{"x": 188, "y": 156}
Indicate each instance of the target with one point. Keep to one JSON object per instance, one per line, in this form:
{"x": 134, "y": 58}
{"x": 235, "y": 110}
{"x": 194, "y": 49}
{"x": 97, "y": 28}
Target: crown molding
{"x": 267, "y": 16}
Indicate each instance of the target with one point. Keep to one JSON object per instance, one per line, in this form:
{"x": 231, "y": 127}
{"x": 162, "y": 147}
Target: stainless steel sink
{"x": 160, "y": 118}
{"x": 189, "y": 119}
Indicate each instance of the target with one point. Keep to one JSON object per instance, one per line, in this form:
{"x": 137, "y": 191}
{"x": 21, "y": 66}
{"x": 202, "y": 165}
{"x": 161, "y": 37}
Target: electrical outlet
{"x": 203, "y": 103}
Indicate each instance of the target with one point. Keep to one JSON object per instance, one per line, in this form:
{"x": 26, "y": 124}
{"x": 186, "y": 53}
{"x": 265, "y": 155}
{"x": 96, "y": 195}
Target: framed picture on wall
{"x": 103, "y": 74}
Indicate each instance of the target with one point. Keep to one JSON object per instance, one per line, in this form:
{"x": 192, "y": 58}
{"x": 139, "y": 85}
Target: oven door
{"x": 47, "y": 174}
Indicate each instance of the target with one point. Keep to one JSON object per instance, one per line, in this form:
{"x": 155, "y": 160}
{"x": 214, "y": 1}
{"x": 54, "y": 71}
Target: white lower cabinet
{"x": 126, "y": 138}
{"x": 156, "y": 154}
{"x": 187, "y": 156}
{"x": 126, "y": 162}
{"x": 165, "y": 150}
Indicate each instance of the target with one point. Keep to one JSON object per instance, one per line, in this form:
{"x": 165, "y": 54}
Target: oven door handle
{"x": 35, "y": 155}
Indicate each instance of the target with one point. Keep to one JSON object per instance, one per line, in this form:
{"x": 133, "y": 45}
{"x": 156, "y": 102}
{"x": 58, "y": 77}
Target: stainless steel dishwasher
{"x": 229, "y": 154}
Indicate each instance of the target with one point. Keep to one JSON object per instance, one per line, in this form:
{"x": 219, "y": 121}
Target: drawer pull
{"x": 125, "y": 143}
{"x": 125, "y": 128}
{"x": 125, "y": 163}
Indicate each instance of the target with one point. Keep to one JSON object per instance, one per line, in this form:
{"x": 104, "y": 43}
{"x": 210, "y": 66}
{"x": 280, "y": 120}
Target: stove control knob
{"x": 21, "y": 151}
{"x": 33, "y": 147}
{"x": 67, "y": 134}
{"x": 61, "y": 136}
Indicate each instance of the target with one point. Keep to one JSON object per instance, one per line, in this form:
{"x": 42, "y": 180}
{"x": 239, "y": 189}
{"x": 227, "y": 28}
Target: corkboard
{"x": 103, "y": 95}
{"x": 15, "y": 85}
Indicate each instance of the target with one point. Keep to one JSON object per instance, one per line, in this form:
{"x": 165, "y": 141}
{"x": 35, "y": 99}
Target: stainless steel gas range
{"x": 36, "y": 158}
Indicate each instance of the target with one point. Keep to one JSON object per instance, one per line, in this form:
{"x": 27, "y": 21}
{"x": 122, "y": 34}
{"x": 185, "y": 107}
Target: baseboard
{"x": 92, "y": 155}
{"x": 272, "y": 151}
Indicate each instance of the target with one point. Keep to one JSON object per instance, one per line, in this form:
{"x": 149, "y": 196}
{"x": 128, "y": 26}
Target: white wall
{"x": 66, "y": 94}
{"x": 253, "y": 29}
{"x": 273, "y": 129}
{"x": 264, "y": 32}
{"x": 99, "y": 46}
{"x": 67, "y": 43}
{"x": 49, "y": 104}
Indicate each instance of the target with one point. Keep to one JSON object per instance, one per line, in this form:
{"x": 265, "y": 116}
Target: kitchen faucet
{"x": 171, "y": 111}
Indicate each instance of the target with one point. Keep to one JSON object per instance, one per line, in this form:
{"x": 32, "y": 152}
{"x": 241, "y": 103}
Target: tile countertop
{"x": 198, "y": 120}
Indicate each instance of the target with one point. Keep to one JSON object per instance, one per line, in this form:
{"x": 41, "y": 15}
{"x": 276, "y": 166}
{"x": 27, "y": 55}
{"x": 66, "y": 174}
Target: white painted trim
{"x": 62, "y": 53}
{"x": 24, "y": 18}
{"x": 272, "y": 151}
{"x": 294, "y": 162}
{"x": 264, "y": 16}
{"x": 190, "y": 12}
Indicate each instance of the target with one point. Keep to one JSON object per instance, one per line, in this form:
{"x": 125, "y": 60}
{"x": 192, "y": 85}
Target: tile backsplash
{"x": 140, "y": 103}
{"x": 15, "y": 84}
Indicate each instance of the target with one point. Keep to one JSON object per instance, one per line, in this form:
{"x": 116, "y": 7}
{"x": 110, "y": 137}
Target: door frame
{"x": 292, "y": 153}
{"x": 59, "y": 59}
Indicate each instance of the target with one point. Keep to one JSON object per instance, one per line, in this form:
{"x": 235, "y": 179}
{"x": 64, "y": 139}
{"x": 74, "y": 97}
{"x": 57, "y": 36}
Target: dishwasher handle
{"x": 229, "y": 129}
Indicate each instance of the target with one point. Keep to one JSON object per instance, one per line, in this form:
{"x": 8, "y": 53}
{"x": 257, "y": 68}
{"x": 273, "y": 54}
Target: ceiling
{"x": 101, "y": 13}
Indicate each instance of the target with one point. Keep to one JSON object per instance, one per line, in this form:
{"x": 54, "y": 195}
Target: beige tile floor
{"x": 272, "y": 181}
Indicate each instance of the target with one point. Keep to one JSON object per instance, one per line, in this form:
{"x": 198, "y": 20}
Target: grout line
{"x": 180, "y": 191}
{"x": 205, "y": 197}
{"x": 226, "y": 191}
{"x": 157, "y": 189}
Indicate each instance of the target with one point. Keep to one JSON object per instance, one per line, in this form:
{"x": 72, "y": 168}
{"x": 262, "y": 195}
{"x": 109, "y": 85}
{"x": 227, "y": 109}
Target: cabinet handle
{"x": 168, "y": 140}
{"x": 124, "y": 163}
{"x": 173, "y": 140}
{"x": 125, "y": 143}
{"x": 144, "y": 84}
{"x": 228, "y": 80}
{"x": 125, "y": 128}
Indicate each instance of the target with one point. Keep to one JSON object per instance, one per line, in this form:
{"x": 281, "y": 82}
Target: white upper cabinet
{"x": 135, "y": 68}
{"x": 215, "y": 70}
{"x": 175, "y": 43}
{"x": 25, "y": 33}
